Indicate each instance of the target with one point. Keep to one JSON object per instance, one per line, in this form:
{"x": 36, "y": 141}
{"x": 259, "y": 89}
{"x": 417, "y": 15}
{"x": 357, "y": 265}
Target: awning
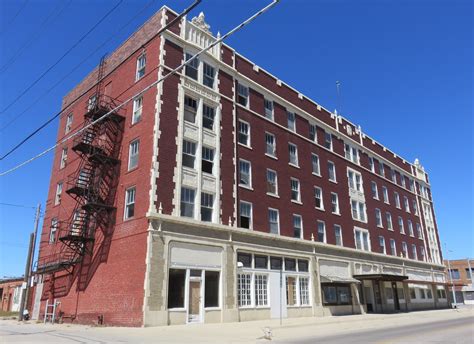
{"x": 381, "y": 277}
{"x": 337, "y": 279}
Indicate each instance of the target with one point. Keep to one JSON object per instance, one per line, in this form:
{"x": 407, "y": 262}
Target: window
{"x": 397, "y": 200}
{"x": 355, "y": 180}
{"x": 245, "y": 259}
{"x": 441, "y": 292}
{"x": 244, "y": 290}
{"x": 129, "y": 203}
{"x": 242, "y": 95}
{"x": 334, "y": 203}
{"x": 207, "y": 163}
{"x": 261, "y": 290}
{"x": 331, "y": 171}
{"x": 244, "y": 133}
{"x": 295, "y": 190}
{"x": 328, "y": 140}
{"x": 404, "y": 249}
{"x": 313, "y": 133}
{"x": 297, "y": 226}
{"x": 401, "y": 225}
{"x": 273, "y": 220}
{"x": 245, "y": 215}
{"x": 187, "y": 202}
{"x": 291, "y": 291}
{"x": 394, "y": 176}
{"x": 189, "y": 153}
{"x": 393, "y": 247}
{"x": 191, "y": 68}
{"x": 62, "y": 162}
{"x": 388, "y": 217}
{"x": 412, "y": 185}
{"x": 302, "y": 265}
{"x": 468, "y": 271}
{"x": 137, "y": 109}
{"x": 402, "y": 177}
{"x": 268, "y": 109}
{"x": 358, "y": 211}
{"x": 52, "y": 231}
{"x": 270, "y": 144}
{"x": 211, "y": 291}
{"x": 378, "y": 218}
{"x": 318, "y": 198}
{"x": 454, "y": 274}
{"x": 207, "y": 204}
{"x": 382, "y": 245}
{"x": 275, "y": 263}
{"x": 414, "y": 252}
{"x": 321, "y": 231}
{"x": 381, "y": 169}
{"x": 338, "y": 235}
{"x": 245, "y": 174}
{"x": 272, "y": 182}
{"x": 371, "y": 164}
{"x": 407, "y": 204}
{"x": 351, "y": 153}
{"x": 336, "y": 294}
{"x": 133, "y": 151}
{"x": 293, "y": 151}
{"x": 304, "y": 290}
{"x": 190, "y": 109}
{"x": 177, "y": 278}
{"x": 419, "y": 233}
{"x": 68, "y": 126}
{"x": 410, "y": 227}
{"x": 92, "y": 102}
{"x": 375, "y": 190}
{"x": 423, "y": 254}
{"x": 261, "y": 262}
{"x": 291, "y": 120}
{"x": 141, "y": 64}
{"x": 315, "y": 164}
{"x": 415, "y": 207}
{"x": 59, "y": 190}
{"x": 385, "y": 194}
{"x": 362, "y": 239}
{"x": 208, "y": 75}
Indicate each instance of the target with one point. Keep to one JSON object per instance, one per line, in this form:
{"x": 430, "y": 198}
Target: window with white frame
{"x": 208, "y": 75}
{"x": 371, "y": 164}
{"x": 192, "y": 67}
{"x": 382, "y": 245}
{"x": 404, "y": 249}
{"x": 412, "y": 184}
{"x": 304, "y": 290}
{"x": 414, "y": 254}
{"x": 207, "y": 206}
{"x": 328, "y": 140}
{"x": 295, "y": 190}
{"x": 315, "y": 164}
{"x": 393, "y": 247}
{"x": 261, "y": 290}
{"x": 268, "y": 109}
{"x": 207, "y": 162}
{"x": 133, "y": 152}
{"x": 410, "y": 228}
{"x": 313, "y": 135}
{"x": 334, "y": 203}
{"x": 318, "y": 198}
{"x": 272, "y": 182}
{"x": 141, "y": 64}
{"x": 68, "y": 126}
{"x": 381, "y": 169}
{"x": 291, "y": 118}
{"x": 187, "y": 202}
{"x": 385, "y": 194}
{"x": 244, "y": 289}
{"x": 63, "y": 161}
{"x": 245, "y": 212}
{"x": 351, "y": 153}
{"x": 375, "y": 190}
{"x": 59, "y": 190}
{"x": 321, "y": 226}
{"x": 53, "y": 230}
{"x": 129, "y": 203}
{"x": 402, "y": 178}
{"x": 242, "y": 95}
{"x": 419, "y": 233}
{"x": 358, "y": 211}
{"x": 423, "y": 253}
{"x": 245, "y": 173}
{"x": 362, "y": 239}
{"x": 297, "y": 226}
{"x": 244, "y": 133}
{"x": 394, "y": 176}
{"x": 401, "y": 225}
{"x": 407, "y": 204}
{"x": 270, "y": 144}
{"x": 355, "y": 180}
{"x": 415, "y": 207}
{"x": 137, "y": 109}
{"x": 208, "y": 116}
{"x": 331, "y": 171}
{"x": 291, "y": 291}
{"x": 378, "y": 218}
{"x": 190, "y": 109}
{"x": 388, "y": 217}
{"x": 274, "y": 220}
{"x": 397, "y": 200}
{"x": 189, "y": 154}
{"x": 293, "y": 154}
{"x": 338, "y": 235}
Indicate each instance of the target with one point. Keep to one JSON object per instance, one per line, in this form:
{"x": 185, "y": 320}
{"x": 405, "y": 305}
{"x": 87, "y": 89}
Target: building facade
{"x": 10, "y": 293}
{"x": 223, "y": 194}
{"x": 460, "y": 278}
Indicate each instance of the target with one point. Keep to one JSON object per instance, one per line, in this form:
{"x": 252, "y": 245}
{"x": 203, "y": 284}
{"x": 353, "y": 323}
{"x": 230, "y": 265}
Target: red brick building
{"x": 10, "y": 293}
{"x": 190, "y": 203}
{"x": 460, "y": 278}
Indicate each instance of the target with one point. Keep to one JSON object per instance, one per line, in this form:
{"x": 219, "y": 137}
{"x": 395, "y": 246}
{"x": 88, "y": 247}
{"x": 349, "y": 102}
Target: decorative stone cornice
{"x": 200, "y": 22}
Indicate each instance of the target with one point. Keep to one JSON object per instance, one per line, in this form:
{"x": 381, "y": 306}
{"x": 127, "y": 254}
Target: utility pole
{"x": 450, "y": 275}
{"x": 29, "y": 265}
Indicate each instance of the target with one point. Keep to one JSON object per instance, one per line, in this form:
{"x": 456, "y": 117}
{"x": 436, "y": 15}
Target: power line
{"x": 7, "y": 26}
{"x": 15, "y": 118}
{"x": 186, "y": 11}
{"x": 61, "y": 58}
{"x": 172, "y": 72}
{"x": 18, "y": 205}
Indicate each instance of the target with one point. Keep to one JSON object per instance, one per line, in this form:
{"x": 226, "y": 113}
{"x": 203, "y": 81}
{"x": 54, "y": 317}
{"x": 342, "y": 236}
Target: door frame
{"x": 199, "y": 279}
{"x": 396, "y": 300}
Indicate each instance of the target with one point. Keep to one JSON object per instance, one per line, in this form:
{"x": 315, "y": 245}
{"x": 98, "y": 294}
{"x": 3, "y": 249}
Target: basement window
{"x": 176, "y": 280}
{"x": 211, "y": 291}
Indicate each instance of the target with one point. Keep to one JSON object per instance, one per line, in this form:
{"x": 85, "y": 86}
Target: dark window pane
{"x": 290, "y": 264}
{"x": 275, "y": 263}
{"x": 245, "y": 259}
{"x": 302, "y": 265}
{"x": 176, "y": 288}
{"x": 244, "y": 222}
{"x": 261, "y": 262}
{"x": 211, "y": 292}
{"x": 207, "y": 166}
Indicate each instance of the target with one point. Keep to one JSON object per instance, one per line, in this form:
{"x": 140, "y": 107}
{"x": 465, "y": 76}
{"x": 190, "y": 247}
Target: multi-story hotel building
{"x": 223, "y": 194}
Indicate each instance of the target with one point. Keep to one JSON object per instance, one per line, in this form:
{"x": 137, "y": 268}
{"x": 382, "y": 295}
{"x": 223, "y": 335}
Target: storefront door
{"x": 396, "y": 302}
{"x": 194, "y": 297}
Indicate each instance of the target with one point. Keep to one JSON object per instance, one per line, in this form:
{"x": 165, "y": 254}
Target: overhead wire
{"x": 172, "y": 72}
{"x": 7, "y": 26}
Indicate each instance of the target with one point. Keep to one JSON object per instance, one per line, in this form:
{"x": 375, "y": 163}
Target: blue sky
{"x": 405, "y": 68}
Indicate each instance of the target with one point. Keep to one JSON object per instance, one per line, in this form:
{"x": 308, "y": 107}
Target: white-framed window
{"x": 407, "y": 204}
{"x": 141, "y": 64}
{"x": 382, "y": 245}
{"x": 338, "y": 235}
{"x": 362, "y": 239}
{"x": 63, "y": 161}
{"x": 208, "y": 75}
{"x": 137, "y": 109}
{"x": 355, "y": 180}
{"x": 332, "y": 171}
{"x": 410, "y": 227}
{"x": 190, "y": 109}
{"x": 423, "y": 253}
{"x": 419, "y": 233}
{"x": 274, "y": 220}
{"x": 69, "y": 120}
{"x": 304, "y": 290}
{"x": 291, "y": 120}
{"x": 388, "y": 217}
{"x": 415, "y": 207}
{"x": 414, "y": 253}
{"x": 293, "y": 153}
{"x": 189, "y": 154}
{"x": 295, "y": 190}
{"x": 328, "y": 140}
{"x": 245, "y": 215}
{"x": 297, "y": 226}
{"x": 358, "y": 211}
{"x": 188, "y": 197}
{"x": 321, "y": 226}
{"x": 401, "y": 225}
{"x": 385, "y": 194}
{"x": 133, "y": 152}
{"x": 268, "y": 109}
{"x": 208, "y": 116}
{"x": 244, "y": 289}
{"x": 242, "y": 95}
{"x": 207, "y": 161}
{"x": 378, "y": 218}
{"x": 397, "y": 200}
{"x": 270, "y": 144}
{"x": 244, "y": 133}
{"x": 375, "y": 190}
{"x": 394, "y": 176}
{"x": 351, "y": 153}
{"x": 59, "y": 190}
{"x": 261, "y": 290}
{"x": 207, "y": 206}
{"x": 371, "y": 164}
{"x": 412, "y": 184}
{"x": 291, "y": 291}
{"x": 381, "y": 169}
{"x": 402, "y": 178}
{"x": 245, "y": 173}
{"x": 313, "y": 134}
{"x": 404, "y": 249}
{"x": 129, "y": 203}
{"x": 315, "y": 164}
{"x": 53, "y": 230}
{"x": 192, "y": 67}
{"x": 272, "y": 182}
{"x": 393, "y": 247}
{"x": 318, "y": 198}
{"x": 334, "y": 203}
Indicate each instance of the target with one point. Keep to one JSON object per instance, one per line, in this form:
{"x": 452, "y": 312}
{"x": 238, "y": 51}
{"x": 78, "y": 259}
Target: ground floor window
{"x": 261, "y": 290}
{"x": 420, "y": 292}
{"x": 297, "y": 291}
{"x": 177, "y": 278}
{"x": 244, "y": 291}
{"x": 441, "y": 292}
{"x": 211, "y": 291}
{"x": 336, "y": 294}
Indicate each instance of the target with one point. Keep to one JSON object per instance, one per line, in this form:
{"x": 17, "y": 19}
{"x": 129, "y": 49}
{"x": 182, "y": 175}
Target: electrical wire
{"x": 172, "y": 72}
{"x": 7, "y": 26}
{"x": 18, "y": 205}
{"x": 61, "y": 58}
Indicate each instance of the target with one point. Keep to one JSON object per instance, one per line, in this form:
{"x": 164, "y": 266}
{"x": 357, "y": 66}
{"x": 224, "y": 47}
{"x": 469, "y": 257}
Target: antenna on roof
{"x": 338, "y": 100}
